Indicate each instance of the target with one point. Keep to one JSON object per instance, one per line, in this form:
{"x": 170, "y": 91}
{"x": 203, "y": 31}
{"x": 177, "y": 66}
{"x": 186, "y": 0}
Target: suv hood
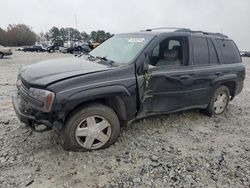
{"x": 46, "y": 72}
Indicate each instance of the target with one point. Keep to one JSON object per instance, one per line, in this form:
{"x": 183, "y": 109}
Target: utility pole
{"x": 76, "y": 24}
{"x": 76, "y": 20}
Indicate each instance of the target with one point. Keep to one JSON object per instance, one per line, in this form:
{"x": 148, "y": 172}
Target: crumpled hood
{"x": 46, "y": 72}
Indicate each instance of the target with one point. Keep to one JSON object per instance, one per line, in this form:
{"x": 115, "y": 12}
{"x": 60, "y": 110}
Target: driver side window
{"x": 169, "y": 52}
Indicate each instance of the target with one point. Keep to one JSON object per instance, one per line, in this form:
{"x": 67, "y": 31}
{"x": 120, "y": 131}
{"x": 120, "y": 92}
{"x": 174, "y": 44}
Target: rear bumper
{"x": 239, "y": 87}
{"x": 28, "y": 119}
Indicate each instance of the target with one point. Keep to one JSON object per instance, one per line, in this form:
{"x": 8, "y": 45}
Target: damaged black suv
{"x": 127, "y": 77}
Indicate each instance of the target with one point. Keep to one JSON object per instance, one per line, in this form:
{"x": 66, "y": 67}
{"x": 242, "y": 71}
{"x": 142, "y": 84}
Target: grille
{"x": 26, "y": 98}
{"x": 24, "y": 90}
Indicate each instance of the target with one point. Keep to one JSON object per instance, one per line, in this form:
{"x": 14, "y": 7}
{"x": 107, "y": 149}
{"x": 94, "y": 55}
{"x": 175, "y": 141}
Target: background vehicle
{"x": 63, "y": 49}
{"x": 50, "y": 48}
{"x": 20, "y": 48}
{"x": 127, "y": 77}
{"x": 247, "y": 54}
{"x": 34, "y": 48}
{"x": 93, "y": 45}
{"x": 84, "y": 47}
{"x": 4, "y": 51}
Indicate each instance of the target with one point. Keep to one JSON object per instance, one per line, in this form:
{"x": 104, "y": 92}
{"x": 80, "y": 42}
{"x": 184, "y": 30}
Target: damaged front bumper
{"x": 30, "y": 120}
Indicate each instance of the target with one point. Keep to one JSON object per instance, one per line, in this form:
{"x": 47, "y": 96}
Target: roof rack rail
{"x": 162, "y": 28}
{"x": 177, "y": 29}
{"x": 209, "y": 33}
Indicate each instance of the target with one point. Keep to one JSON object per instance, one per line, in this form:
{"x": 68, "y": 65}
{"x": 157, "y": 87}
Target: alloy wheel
{"x": 220, "y": 102}
{"x": 93, "y": 132}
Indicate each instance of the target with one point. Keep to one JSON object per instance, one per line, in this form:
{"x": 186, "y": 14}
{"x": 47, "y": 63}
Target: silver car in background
{"x": 4, "y": 51}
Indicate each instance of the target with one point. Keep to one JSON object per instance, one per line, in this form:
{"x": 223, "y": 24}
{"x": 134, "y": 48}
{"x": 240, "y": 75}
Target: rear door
{"x": 206, "y": 66}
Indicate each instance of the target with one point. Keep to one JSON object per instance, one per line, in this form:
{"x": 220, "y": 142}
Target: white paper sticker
{"x": 136, "y": 40}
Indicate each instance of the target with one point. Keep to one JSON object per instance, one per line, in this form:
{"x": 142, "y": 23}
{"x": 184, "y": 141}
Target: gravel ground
{"x": 184, "y": 149}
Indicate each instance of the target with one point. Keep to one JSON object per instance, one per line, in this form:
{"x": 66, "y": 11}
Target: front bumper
{"x": 28, "y": 119}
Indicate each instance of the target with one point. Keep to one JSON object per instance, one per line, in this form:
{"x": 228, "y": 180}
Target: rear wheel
{"x": 94, "y": 127}
{"x": 219, "y": 101}
{"x": 1, "y": 56}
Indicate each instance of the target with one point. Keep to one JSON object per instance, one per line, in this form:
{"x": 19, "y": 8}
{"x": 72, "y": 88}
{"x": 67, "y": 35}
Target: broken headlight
{"x": 44, "y": 96}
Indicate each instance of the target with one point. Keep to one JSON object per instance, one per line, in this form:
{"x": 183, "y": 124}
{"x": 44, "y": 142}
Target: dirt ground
{"x": 185, "y": 149}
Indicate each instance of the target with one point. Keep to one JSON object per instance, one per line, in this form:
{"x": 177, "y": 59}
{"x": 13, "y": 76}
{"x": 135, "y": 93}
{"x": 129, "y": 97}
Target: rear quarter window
{"x": 229, "y": 51}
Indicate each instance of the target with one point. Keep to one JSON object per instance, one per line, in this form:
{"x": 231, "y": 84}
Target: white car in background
{"x": 4, "y": 51}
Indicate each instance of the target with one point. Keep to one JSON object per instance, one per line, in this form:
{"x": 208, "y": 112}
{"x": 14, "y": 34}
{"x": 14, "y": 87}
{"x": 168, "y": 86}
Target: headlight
{"x": 44, "y": 96}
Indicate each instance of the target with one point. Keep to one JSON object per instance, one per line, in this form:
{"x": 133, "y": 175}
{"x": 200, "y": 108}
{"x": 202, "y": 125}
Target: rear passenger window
{"x": 201, "y": 53}
{"x": 229, "y": 51}
{"x": 212, "y": 53}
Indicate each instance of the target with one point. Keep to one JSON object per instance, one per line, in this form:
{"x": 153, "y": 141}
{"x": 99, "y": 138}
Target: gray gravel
{"x": 185, "y": 149}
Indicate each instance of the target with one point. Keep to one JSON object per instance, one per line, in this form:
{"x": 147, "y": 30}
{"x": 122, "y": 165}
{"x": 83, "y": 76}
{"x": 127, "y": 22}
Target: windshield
{"x": 121, "y": 49}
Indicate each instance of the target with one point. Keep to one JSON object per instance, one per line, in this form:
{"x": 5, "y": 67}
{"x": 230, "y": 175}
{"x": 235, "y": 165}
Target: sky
{"x": 231, "y": 17}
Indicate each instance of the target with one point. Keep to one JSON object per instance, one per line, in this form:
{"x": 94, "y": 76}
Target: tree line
{"x": 17, "y": 35}
{"x": 73, "y": 34}
{"x": 22, "y": 35}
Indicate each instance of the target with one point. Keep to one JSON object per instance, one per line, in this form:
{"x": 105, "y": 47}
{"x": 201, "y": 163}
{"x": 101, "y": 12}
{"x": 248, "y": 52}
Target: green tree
{"x": 99, "y": 36}
{"x": 3, "y": 37}
{"x": 63, "y": 34}
{"x": 93, "y": 36}
{"x": 54, "y": 33}
{"x": 73, "y": 33}
{"x": 85, "y": 36}
{"x": 108, "y": 35}
{"x": 20, "y": 35}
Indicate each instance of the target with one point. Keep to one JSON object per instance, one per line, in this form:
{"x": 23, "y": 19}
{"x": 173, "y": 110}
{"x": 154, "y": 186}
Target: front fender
{"x": 72, "y": 101}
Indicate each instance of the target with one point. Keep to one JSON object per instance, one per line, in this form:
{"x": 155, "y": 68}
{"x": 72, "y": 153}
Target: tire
{"x": 221, "y": 94}
{"x": 1, "y": 55}
{"x": 82, "y": 132}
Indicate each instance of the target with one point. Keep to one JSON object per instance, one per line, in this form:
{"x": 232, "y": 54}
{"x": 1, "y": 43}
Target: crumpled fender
{"x": 80, "y": 97}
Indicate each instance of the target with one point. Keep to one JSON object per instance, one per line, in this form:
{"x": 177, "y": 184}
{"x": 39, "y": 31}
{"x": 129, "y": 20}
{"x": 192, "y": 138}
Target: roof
{"x": 180, "y": 31}
{"x": 184, "y": 30}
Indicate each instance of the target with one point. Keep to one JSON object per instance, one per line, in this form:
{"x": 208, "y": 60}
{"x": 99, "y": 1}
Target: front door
{"x": 169, "y": 80}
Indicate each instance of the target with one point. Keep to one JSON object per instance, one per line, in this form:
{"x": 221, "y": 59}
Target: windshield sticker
{"x": 136, "y": 40}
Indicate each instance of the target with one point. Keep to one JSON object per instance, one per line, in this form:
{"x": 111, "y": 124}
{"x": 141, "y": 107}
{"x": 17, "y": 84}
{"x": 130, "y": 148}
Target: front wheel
{"x": 219, "y": 101}
{"x": 94, "y": 127}
{"x": 1, "y": 56}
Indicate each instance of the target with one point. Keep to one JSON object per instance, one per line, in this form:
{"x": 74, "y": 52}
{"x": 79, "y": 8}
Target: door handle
{"x": 185, "y": 77}
{"x": 218, "y": 73}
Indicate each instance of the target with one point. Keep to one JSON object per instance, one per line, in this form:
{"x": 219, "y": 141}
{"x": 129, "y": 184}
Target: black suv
{"x": 127, "y": 77}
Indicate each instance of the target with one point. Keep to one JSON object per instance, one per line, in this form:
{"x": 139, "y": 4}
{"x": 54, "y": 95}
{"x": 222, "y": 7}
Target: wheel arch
{"x": 227, "y": 80}
{"x": 112, "y": 97}
{"x": 114, "y": 102}
{"x": 231, "y": 85}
